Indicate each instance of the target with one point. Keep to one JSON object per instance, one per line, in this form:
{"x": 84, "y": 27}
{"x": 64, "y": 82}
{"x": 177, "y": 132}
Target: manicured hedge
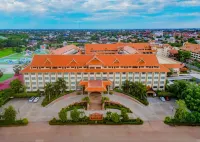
{"x": 137, "y": 121}
{"x": 116, "y": 106}
{"x": 25, "y": 95}
{"x": 78, "y": 105}
{"x": 21, "y": 122}
{"x": 165, "y": 94}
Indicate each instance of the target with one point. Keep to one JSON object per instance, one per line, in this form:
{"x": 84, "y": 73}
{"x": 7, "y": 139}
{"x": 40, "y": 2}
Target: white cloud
{"x": 96, "y": 9}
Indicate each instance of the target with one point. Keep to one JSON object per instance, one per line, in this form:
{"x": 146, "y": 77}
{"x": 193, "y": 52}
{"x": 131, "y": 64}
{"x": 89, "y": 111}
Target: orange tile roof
{"x": 64, "y": 49}
{"x": 82, "y": 60}
{"x": 113, "y": 48}
{"x": 95, "y": 85}
{"x": 191, "y": 47}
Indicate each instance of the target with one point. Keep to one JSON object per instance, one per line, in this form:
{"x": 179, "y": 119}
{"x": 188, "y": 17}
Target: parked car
{"x": 36, "y": 99}
{"x": 167, "y": 98}
{"x": 162, "y": 99}
{"x": 31, "y": 99}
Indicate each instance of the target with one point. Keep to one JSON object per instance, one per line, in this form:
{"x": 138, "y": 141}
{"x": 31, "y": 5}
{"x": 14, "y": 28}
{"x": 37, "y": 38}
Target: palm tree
{"x": 62, "y": 84}
{"x": 48, "y": 89}
{"x": 126, "y": 86}
{"x": 56, "y": 87}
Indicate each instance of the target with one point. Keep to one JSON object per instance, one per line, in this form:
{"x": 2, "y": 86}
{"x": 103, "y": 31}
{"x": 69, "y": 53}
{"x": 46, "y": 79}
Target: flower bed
{"x": 78, "y": 105}
{"x": 115, "y": 105}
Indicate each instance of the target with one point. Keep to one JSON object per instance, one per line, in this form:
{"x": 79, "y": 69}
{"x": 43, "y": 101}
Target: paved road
{"x": 149, "y": 132}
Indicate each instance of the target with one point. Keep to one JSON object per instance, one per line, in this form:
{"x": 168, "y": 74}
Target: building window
{"x": 46, "y": 73}
{"x": 123, "y": 77}
{"x": 26, "y": 73}
{"x": 34, "y": 83}
{"x": 40, "y": 83}
{"x": 59, "y": 73}
{"x": 27, "y": 83}
{"x": 142, "y": 77}
{"x": 26, "y": 78}
{"x": 149, "y": 77}
{"x": 161, "y": 87}
{"x": 162, "y": 77}
{"x": 46, "y": 78}
{"x": 32, "y": 73}
{"x": 39, "y": 73}
{"x": 52, "y": 73}
{"x": 116, "y": 77}
{"x": 53, "y": 78}
{"x": 162, "y": 82}
{"x": 33, "y": 78}
{"x": 72, "y": 83}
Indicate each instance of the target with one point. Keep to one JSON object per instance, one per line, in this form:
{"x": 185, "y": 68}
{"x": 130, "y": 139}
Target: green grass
{"x": 5, "y": 52}
{"x": 5, "y": 77}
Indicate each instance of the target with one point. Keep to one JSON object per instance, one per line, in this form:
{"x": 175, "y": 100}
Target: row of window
{"x": 136, "y": 73}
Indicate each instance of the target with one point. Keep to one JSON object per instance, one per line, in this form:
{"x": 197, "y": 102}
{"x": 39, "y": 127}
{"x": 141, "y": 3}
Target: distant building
{"x": 193, "y": 48}
{"x": 171, "y": 40}
{"x": 66, "y": 50}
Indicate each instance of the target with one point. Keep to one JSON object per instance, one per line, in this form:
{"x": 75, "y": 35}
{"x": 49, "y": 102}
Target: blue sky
{"x": 99, "y": 14}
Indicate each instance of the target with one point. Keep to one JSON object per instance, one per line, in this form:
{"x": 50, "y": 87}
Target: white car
{"x": 162, "y": 99}
{"x": 36, "y": 99}
{"x": 31, "y": 99}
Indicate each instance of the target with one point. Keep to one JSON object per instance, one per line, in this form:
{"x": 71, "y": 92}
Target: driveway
{"x": 35, "y": 112}
{"x": 156, "y": 110}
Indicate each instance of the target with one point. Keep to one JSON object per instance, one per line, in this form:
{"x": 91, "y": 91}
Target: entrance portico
{"x": 96, "y": 86}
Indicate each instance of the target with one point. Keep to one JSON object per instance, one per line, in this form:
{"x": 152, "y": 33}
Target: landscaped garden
{"x": 9, "y": 118}
{"x": 16, "y": 90}
{"x": 54, "y": 91}
{"x": 78, "y": 117}
{"x": 188, "y": 110}
{"x": 113, "y": 105}
{"x": 135, "y": 90}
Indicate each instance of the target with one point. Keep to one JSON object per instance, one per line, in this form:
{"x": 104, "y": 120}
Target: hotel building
{"x": 86, "y": 68}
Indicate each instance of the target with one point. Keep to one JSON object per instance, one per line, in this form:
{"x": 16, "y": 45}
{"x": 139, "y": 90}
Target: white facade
{"x": 35, "y": 81}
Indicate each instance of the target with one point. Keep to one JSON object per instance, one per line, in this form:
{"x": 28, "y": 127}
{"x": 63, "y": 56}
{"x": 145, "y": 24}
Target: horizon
{"x": 104, "y": 14}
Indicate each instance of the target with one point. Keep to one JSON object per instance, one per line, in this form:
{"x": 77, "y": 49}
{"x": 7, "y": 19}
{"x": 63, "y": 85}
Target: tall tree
{"x": 62, "y": 84}
{"x": 16, "y": 85}
{"x": 48, "y": 89}
{"x": 1, "y": 73}
{"x": 17, "y": 69}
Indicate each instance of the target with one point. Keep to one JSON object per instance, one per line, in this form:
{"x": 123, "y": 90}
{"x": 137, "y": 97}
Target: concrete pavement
{"x": 154, "y": 131}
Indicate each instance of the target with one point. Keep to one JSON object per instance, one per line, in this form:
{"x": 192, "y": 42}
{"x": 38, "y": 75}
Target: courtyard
{"x": 156, "y": 110}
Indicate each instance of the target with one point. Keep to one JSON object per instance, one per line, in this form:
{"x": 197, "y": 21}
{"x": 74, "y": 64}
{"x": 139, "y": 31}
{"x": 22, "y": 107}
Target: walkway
{"x": 154, "y": 131}
{"x": 95, "y": 101}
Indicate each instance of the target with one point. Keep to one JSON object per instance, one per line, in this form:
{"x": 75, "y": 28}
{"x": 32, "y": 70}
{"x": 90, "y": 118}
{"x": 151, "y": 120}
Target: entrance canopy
{"x": 95, "y": 85}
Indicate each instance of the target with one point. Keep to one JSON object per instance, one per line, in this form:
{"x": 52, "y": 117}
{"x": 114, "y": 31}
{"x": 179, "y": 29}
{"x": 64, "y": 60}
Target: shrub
{"x": 25, "y": 95}
{"x": 25, "y": 121}
{"x": 115, "y": 117}
{"x": 63, "y": 115}
{"x": 10, "y": 114}
{"x": 124, "y": 114}
{"x": 103, "y": 99}
{"x": 105, "y": 92}
{"x": 75, "y": 115}
{"x": 167, "y": 120}
{"x": 165, "y": 94}
{"x": 87, "y": 99}
{"x": 108, "y": 115}
{"x": 78, "y": 93}
{"x": 111, "y": 92}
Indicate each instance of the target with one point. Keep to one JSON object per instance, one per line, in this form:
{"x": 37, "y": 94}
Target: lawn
{"x": 5, "y": 52}
{"x": 5, "y": 77}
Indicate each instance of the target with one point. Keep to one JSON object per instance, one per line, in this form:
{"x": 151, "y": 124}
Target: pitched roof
{"x": 95, "y": 85}
{"x": 64, "y": 49}
{"x": 191, "y": 47}
{"x": 82, "y": 60}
